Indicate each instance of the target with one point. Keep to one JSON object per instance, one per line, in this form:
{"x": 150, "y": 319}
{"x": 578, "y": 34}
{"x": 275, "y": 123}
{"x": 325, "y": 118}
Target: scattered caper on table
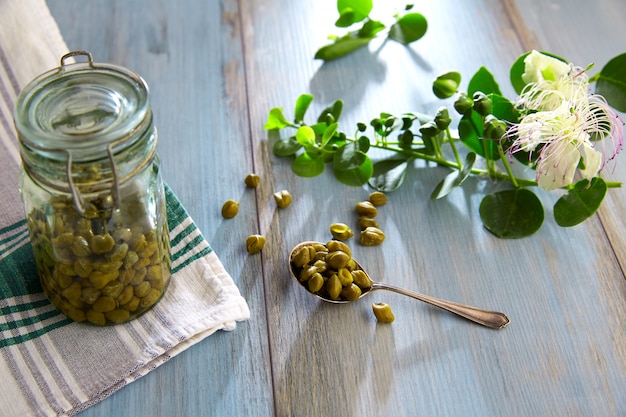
{"x": 255, "y": 243}
{"x": 377, "y": 198}
{"x": 252, "y": 180}
{"x": 282, "y": 198}
{"x": 383, "y": 312}
{"x": 230, "y": 209}
{"x": 371, "y": 236}
{"x": 341, "y": 231}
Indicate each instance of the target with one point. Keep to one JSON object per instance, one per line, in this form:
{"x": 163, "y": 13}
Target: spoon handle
{"x": 492, "y": 319}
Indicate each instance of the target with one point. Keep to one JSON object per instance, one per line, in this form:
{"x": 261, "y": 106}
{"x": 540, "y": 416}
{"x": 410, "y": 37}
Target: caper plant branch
{"x": 457, "y": 165}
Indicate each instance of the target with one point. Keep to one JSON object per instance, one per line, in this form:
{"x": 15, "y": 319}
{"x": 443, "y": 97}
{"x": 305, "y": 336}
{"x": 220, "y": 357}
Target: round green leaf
{"x": 286, "y": 147}
{"x": 512, "y": 214}
{"x": 305, "y": 136}
{"x": 612, "y": 82}
{"x": 408, "y": 28}
{"x": 306, "y": 165}
{"x": 276, "y": 119}
{"x": 351, "y": 166}
{"x": 580, "y": 203}
{"x": 359, "y": 9}
{"x": 389, "y": 174}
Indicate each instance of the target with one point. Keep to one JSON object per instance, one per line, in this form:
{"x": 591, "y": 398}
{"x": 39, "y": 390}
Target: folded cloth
{"x": 51, "y": 366}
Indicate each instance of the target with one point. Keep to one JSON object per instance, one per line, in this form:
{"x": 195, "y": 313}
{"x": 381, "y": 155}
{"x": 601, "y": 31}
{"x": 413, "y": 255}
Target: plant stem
{"x": 507, "y": 166}
{"x": 453, "y": 147}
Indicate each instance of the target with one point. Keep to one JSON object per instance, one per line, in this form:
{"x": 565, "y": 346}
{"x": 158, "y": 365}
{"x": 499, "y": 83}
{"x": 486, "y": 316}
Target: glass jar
{"x": 92, "y": 190}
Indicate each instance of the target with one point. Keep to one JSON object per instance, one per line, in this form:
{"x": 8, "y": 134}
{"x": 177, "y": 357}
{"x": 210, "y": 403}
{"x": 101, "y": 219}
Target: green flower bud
{"x": 446, "y": 85}
{"x": 482, "y": 103}
{"x": 493, "y": 128}
{"x": 429, "y": 129}
{"x": 463, "y": 105}
{"x": 442, "y": 118}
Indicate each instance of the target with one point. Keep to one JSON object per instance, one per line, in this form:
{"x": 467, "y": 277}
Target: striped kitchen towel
{"x": 49, "y": 365}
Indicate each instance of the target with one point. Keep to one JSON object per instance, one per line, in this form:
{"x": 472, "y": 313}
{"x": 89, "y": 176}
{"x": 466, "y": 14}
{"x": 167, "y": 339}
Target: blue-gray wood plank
{"x": 216, "y": 68}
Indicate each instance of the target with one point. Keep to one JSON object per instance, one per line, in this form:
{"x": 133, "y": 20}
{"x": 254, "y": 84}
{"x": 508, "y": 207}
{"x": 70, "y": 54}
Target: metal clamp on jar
{"x": 92, "y": 190}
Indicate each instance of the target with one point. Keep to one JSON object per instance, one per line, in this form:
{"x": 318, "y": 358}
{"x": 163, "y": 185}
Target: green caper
{"x": 333, "y": 287}
{"x": 336, "y": 245}
{"x": 366, "y": 222}
{"x": 302, "y": 257}
{"x": 377, "y": 198}
{"x": 96, "y": 317}
{"x": 252, "y": 180}
{"x": 316, "y": 282}
{"x": 282, "y": 198}
{"x": 345, "y": 277}
{"x": 337, "y": 259}
{"x": 351, "y": 292}
{"x": 104, "y": 304}
{"x": 360, "y": 278}
{"x": 365, "y": 208}
{"x": 150, "y": 298}
{"x": 383, "y": 312}
{"x": 255, "y": 243}
{"x": 341, "y": 231}
{"x": 101, "y": 244}
{"x": 230, "y": 209}
{"x": 119, "y": 315}
{"x": 371, "y": 236}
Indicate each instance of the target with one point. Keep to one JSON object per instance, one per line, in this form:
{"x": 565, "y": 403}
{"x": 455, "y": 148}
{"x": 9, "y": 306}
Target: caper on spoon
{"x": 329, "y": 272}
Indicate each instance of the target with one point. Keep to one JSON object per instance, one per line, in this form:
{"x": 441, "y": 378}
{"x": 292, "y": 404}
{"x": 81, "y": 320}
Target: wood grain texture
{"x": 216, "y": 68}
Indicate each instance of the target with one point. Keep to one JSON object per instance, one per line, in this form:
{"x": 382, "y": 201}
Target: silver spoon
{"x": 492, "y": 319}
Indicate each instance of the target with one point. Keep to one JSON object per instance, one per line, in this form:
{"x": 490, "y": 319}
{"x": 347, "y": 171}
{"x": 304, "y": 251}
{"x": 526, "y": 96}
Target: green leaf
{"x": 334, "y": 110}
{"x": 286, "y": 147}
{"x": 483, "y": 81}
{"x": 370, "y": 29}
{"x": 276, "y": 119}
{"x": 446, "y": 85}
{"x": 346, "y": 18}
{"x": 408, "y": 28}
{"x": 389, "y": 174}
{"x": 328, "y": 134}
{"x": 302, "y": 105}
{"x": 359, "y": 9}
{"x": 307, "y": 165}
{"x": 351, "y": 166}
{"x": 580, "y": 203}
{"x": 512, "y": 214}
{"x": 341, "y": 47}
{"x": 455, "y": 178}
{"x": 519, "y": 67}
{"x": 305, "y": 136}
{"x": 612, "y": 82}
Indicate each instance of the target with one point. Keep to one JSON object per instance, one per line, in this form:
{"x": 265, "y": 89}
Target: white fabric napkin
{"x": 51, "y": 366}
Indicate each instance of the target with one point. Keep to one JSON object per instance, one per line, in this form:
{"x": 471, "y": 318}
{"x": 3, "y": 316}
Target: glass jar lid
{"x": 82, "y": 108}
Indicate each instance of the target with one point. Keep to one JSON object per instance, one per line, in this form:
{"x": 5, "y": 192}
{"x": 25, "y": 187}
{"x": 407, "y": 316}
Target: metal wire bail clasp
{"x": 74, "y": 54}
{"x": 77, "y": 198}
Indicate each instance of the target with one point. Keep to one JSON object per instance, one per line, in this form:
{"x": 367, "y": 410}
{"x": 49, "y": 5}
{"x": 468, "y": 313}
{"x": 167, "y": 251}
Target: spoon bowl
{"x": 488, "y": 318}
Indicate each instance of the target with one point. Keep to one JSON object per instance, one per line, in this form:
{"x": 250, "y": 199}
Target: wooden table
{"x": 217, "y": 67}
